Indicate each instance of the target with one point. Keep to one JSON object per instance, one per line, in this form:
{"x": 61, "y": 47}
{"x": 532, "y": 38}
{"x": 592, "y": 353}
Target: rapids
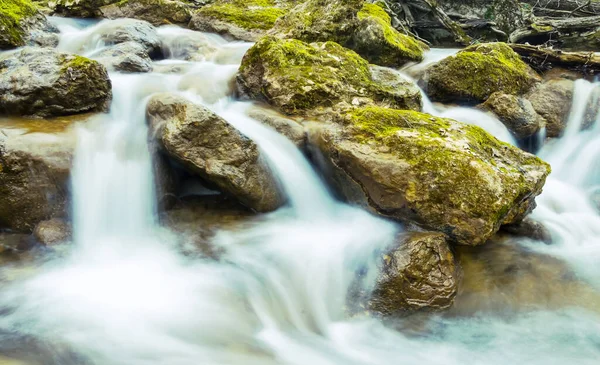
{"x": 125, "y": 294}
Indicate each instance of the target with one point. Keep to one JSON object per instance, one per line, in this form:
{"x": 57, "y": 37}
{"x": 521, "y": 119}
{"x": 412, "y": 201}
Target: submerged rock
{"x": 476, "y": 72}
{"x": 552, "y": 100}
{"x": 419, "y": 273}
{"x": 126, "y": 57}
{"x": 438, "y": 173}
{"x": 45, "y": 82}
{"x": 516, "y": 113}
{"x": 298, "y": 77}
{"x": 208, "y": 146}
{"x": 22, "y": 24}
{"x": 365, "y": 28}
{"x": 53, "y": 231}
{"x": 156, "y": 12}
{"x": 245, "y": 20}
{"x": 34, "y": 173}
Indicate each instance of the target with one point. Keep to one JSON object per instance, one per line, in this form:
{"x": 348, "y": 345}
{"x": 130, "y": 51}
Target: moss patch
{"x": 473, "y": 74}
{"x": 251, "y": 14}
{"x": 12, "y": 14}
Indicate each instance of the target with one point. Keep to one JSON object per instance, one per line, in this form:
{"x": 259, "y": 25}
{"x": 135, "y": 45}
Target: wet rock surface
{"x": 156, "y": 12}
{"x": 516, "y": 113}
{"x": 552, "y": 100}
{"x": 208, "y": 146}
{"x": 53, "y": 231}
{"x": 125, "y": 57}
{"x": 44, "y": 82}
{"x": 419, "y": 273}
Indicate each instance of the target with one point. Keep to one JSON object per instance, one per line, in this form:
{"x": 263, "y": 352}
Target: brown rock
{"x": 53, "y": 231}
{"x": 552, "y": 100}
{"x": 516, "y": 113}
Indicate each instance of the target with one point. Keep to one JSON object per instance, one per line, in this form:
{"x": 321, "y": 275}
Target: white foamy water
{"x": 124, "y": 294}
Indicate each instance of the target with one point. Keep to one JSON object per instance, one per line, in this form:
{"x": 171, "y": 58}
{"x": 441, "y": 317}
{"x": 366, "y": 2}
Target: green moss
{"x": 252, "y": 14}
{"x": 12, "y": 14}
{"x": 475, "y": 73}
{"x": 450, "y": 165}
{"x": 373, "y": 10}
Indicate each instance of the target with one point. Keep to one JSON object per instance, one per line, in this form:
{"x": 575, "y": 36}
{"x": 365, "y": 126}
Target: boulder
{"x": 418, "y": 273}
{"x": 286, "y": 126}
{"x": 516, "y": 113}
{"x": 52, "y": 232}
{"x": 131, "y": 30}
{"x": 552, "y": 100}
{"x": 529, "y": 228}
{"x": 45, "y": 82}
{"x": 476, "y": 72}
{"x": 245, "y": 20}
{"x": 364, "y": 28}
{"x": 207, "y": 146}
{"x": 125, "y": 57}
{"x": 437, "y": 173}
{"x": 156, "y": 12}
{"x": 35, "y": 160}
{"x": 22, "y": 24}
{"x": 79, "y": 8}
{"x": 298, "y": 78}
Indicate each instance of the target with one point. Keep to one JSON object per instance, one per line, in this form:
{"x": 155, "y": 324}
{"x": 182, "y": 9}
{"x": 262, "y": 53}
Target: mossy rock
{"x": 364, "y": 28}
{"x": 437, "y": 173}
{"x": 300, "y": 78}
{"x": 377, "y": 41}
{"x": 476, "y": 72}
{"x": 81, "y": 8}
{"x": 239, "y": 19}
{"x": 156, "y": 12}
{"x": 16, "y": 17}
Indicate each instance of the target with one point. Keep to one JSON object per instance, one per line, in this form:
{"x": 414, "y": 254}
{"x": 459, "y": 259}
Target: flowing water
{"x": 125, "y": 294}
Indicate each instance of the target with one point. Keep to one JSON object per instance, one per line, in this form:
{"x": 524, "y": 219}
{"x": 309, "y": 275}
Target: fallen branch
{"x": 543, "y": 59}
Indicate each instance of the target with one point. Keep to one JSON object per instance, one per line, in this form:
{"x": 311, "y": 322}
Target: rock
{"x": 286, "y": 126}
{"x": 552, "y": 100}
{"x": 516, "y": 113}
{"x": 184, "y": 44}
{"x": 53, "y": 231}
{"x": 35, "y": 160}
{"x": 377, "y": 41}
{"x": 364, "y": 28}
{"x": 209, "y": 147}
{"x": 13, "y": 242}
{"x": 79, "y": 8}
{"x": 529, "y": 228}
{"x": 298, "y": 77}
{"x": 476, "y": 72}
{"x": 166, "y": 180}
{"x": 22, "y": 24}
{"x": 126, "y": 57}
{"x": 419, "y": 273}
{"x": 238, "y": 19}
{"x": 44, "y": 82}
{"x": 156, "y": 12}
{"x": 437, "y": 173}
{"x": 131, "y": 30}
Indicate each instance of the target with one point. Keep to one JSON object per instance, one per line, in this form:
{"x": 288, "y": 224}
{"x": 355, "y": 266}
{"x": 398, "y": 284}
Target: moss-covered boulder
{"x": 209, "y": 147}
{"x": 438, "y": 173}
{"x": 246, "y": 20}
{"x": 365, "y": 28}
{"x": 22, "y": 24}
{"x": 298, "y": 77}
{"x": 45, "y": 82}
{"x": 156, "y": 12}
{"x": 418, "y": 273}
{"x": 476, "y": 72}
{"x": 516, "y": 113}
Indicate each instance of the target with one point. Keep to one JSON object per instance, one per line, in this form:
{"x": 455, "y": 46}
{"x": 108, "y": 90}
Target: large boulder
{"x": 45, "y": 82}
{"x": 552, "y": 100}
{"x": 22, "y": 24}
{"x": 476, "y": 72}
{"x": 245, "y": 20}
{"x": 35, "y": 159}
{"x": 209, "y": 147}
{"x": 516, "y": 113}
{"x": 125, "y": 57}
{"x": 418, "y": 273}
{"x": 157, "y": 12}
{"x": 365, "y": 28}
{"x": 298, "y": 77}
{"x": 437, "y": 173}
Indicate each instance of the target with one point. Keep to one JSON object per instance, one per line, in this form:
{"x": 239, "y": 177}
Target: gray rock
{"x": 207, "y": 146}
{"x": 286, "y": 126}
{"x": 156, "y": 12}
{"x": 516, "y": 113}
{"x": 22, "y": 24}
{"x": 552, "y": 100}
{"x": 45, "y": 82}
{"x": 132, "y": 30}
{"x": 126, "y": 57}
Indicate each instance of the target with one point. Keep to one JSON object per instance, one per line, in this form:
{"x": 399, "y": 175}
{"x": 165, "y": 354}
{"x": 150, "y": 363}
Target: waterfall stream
{"x": 124, "y": 294}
